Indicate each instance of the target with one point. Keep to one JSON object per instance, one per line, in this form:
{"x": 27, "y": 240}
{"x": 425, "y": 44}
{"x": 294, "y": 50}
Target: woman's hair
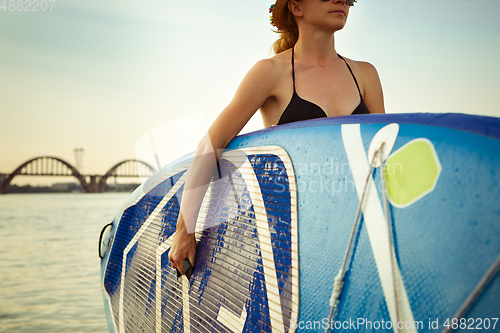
{"x": 284, "y": 21}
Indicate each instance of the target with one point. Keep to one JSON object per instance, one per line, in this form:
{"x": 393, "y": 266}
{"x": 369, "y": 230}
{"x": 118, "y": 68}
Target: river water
{"x": 49, "y": 265}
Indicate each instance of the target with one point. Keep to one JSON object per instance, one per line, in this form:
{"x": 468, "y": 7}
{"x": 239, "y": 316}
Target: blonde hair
{"x": 284, "y": 21}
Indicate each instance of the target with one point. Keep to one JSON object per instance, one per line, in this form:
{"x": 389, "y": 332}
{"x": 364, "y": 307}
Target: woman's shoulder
{"x": 277, "y": 65}
{"x": 269, "y": 72}
{"x": 363, "y": 69}
{"x": 263, "y": 80}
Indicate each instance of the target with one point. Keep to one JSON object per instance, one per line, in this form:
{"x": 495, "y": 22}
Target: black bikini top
{"x": 300, "y": 109}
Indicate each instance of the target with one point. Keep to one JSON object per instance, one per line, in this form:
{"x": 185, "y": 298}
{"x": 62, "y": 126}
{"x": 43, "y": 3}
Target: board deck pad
{"x": 247, "y": 262}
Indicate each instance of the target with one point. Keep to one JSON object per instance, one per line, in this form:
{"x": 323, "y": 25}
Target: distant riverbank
{"x": 68, "y": 188}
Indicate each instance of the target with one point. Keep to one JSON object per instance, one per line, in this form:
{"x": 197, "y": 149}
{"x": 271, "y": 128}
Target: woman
{"x": 305, "y": 79}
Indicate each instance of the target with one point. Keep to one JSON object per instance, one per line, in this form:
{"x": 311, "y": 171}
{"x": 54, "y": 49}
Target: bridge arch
{"x": 134, "y": 170}
{"x": 44, "y": 166}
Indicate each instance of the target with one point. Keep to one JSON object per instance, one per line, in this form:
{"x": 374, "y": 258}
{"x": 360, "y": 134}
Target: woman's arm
{"x": 257, "y": 85}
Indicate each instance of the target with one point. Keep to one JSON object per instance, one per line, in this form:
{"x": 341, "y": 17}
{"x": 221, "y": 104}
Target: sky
{"x": 103, "y": 75}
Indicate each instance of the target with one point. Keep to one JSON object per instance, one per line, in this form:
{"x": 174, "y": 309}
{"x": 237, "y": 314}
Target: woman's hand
{"x": 183, "y": 246}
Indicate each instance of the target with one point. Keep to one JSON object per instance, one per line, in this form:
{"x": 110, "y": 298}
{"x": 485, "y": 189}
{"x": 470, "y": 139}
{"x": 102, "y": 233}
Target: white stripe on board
{"x": 186, "y": 316}
{"x": 134, "y": 240}
{"x": 273, "y": 298}
{"x": 376, "y": 226}
{"x": 232, "y": 321}
{"x": 164, "y": 247}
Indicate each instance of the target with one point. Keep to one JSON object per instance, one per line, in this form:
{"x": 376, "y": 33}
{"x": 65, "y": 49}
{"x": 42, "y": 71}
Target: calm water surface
{"x": 49, "y": 266}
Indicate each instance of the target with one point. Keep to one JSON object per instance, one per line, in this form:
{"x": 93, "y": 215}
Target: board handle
{"x": 99, "y": 246}
{"x": 187, "y": 268}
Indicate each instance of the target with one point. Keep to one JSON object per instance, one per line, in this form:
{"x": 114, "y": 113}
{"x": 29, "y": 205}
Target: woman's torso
{"x": 308, "y": 91}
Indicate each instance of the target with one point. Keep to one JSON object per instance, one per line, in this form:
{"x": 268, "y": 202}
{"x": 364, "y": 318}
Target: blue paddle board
{"x": 274, "y": 231}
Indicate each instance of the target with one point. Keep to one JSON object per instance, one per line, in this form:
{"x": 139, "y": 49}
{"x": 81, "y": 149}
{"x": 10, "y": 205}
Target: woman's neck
{"x": 317, "y": 47}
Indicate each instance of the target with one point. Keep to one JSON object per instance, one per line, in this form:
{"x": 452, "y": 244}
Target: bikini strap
{"x": 355, "y": 81}
{"x": 293, "y": 69}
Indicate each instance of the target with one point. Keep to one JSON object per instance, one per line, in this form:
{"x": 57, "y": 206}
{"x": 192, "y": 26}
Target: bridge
{"x": 56, "y": 167}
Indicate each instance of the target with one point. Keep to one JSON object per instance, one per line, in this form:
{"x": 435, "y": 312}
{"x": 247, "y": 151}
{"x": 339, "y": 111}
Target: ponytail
{"x": 286, "y": 41}
{"x": 284, "y": 21}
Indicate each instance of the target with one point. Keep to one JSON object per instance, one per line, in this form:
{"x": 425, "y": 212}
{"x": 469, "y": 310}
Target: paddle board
{"x": 273, "y": 233}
